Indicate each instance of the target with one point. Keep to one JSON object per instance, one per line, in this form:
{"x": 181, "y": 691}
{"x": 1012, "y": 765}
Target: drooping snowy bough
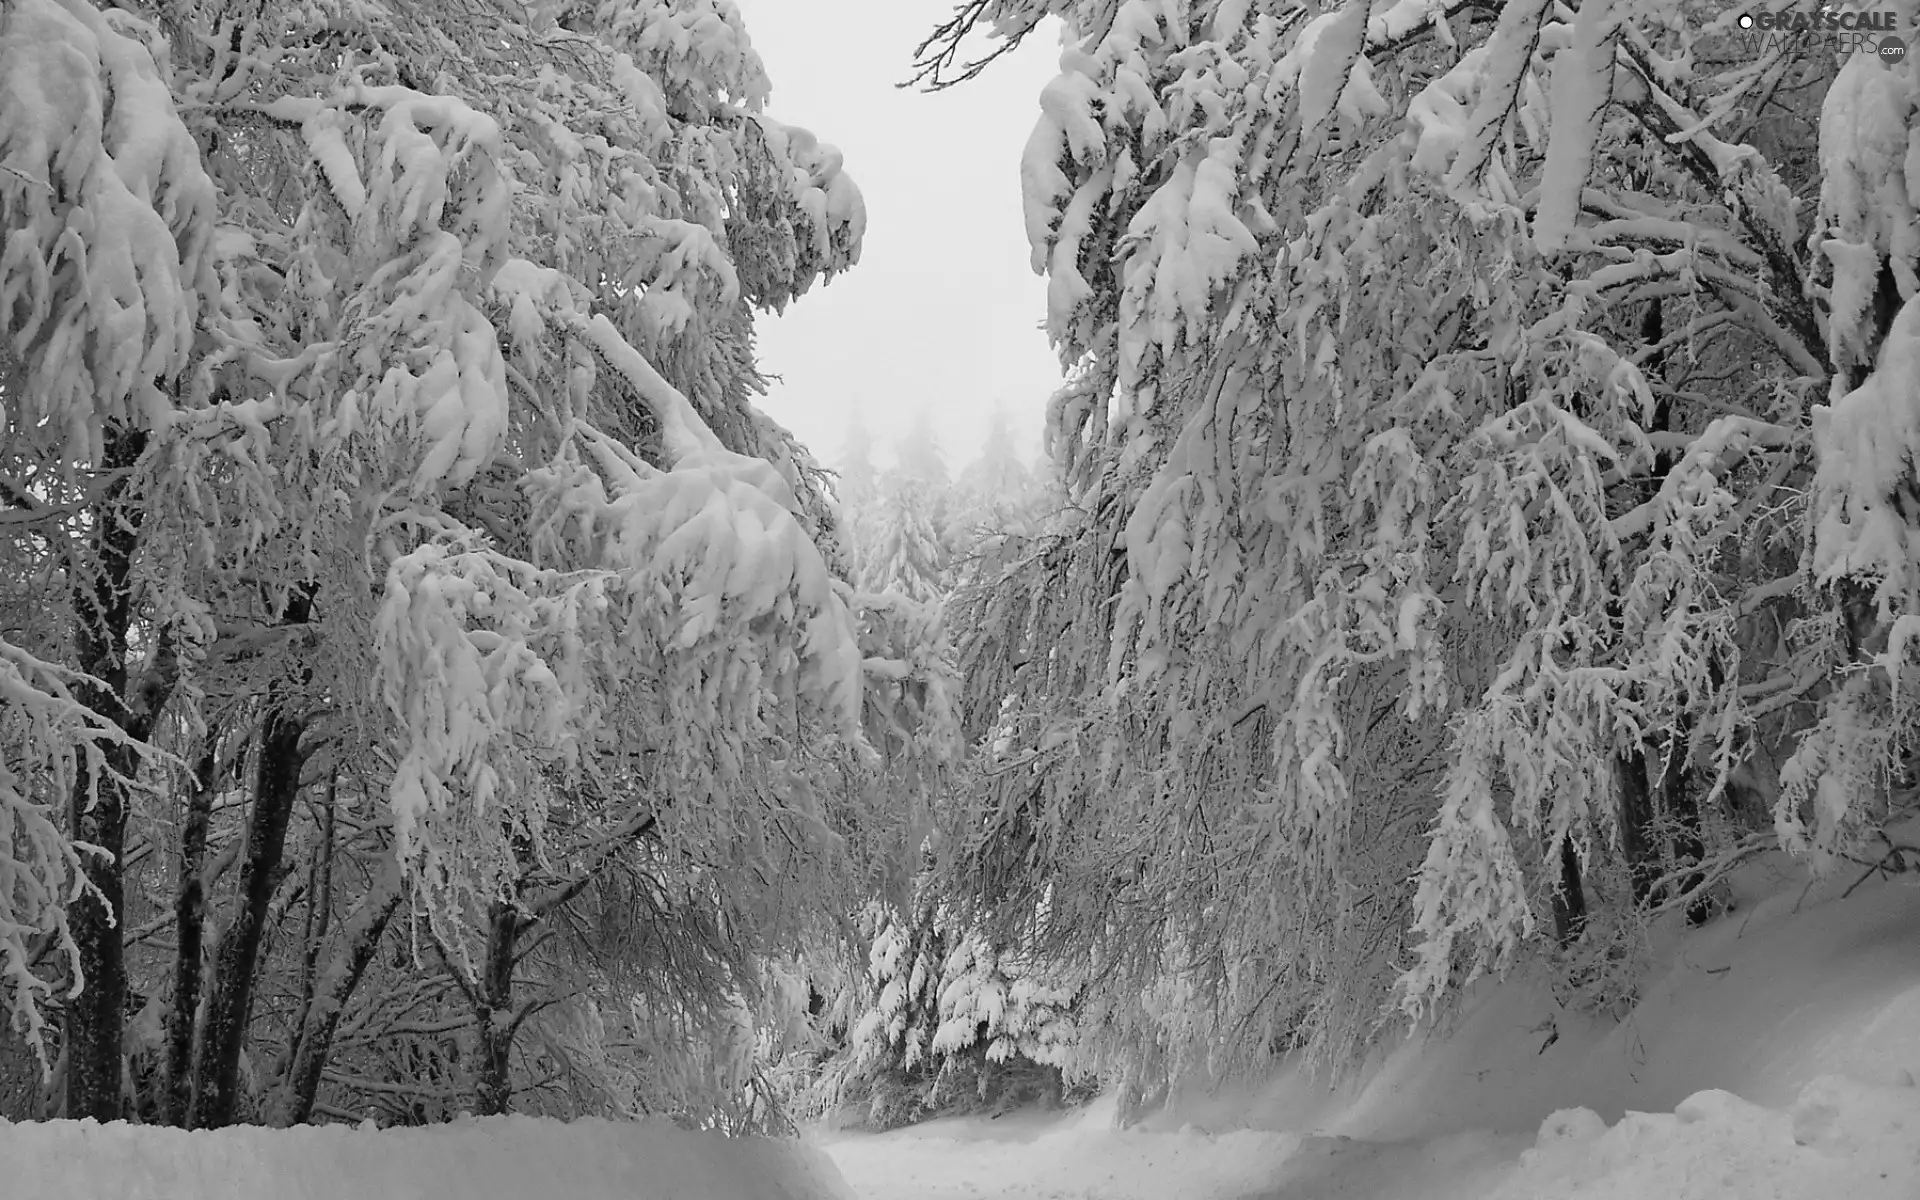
{"x": 1446, "y": 431}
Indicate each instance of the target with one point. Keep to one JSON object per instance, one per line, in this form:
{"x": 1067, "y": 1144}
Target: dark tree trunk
{"x": 190, "y": 914}
{"x": 1674, "y": 808}
{"x": 94, "y": 1020}
{"x": 230, "y": 1003}
{"x": 1638, "y": 812}
{"x": 1647, "y": 813}
{"x": 1637, "y": 839}
{"x": 360, "y": 938}
{"x": 319, "y": 905}
{"x": 1680, "y": 806}
{"x": 1569, "y": 899}
{"x": 497, "y": 1027}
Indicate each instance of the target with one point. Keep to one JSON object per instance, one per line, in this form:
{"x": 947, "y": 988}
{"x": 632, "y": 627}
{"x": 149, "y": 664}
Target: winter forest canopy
{"x": 1484, "y": 509}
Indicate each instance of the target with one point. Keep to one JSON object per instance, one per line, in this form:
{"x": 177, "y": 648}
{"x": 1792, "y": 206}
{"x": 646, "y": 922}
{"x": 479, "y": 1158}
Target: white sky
{"x": 943, "y": 310}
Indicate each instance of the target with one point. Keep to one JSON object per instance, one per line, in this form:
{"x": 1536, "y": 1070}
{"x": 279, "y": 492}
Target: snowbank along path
{"x": 1773, "y": 1058}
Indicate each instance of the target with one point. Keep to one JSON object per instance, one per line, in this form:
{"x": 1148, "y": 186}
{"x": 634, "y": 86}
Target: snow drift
{"x": 1772, "y": 1055}
{"x": 497, "y": 1158}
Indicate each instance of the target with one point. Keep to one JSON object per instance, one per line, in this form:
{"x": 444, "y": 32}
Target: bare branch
{"x": 935, "y": 59}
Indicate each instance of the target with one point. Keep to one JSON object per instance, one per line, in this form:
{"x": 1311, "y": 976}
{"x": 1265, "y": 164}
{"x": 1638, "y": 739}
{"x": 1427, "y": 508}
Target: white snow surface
{"x": 492, "y": 1159}
{"x": 1772, "y": 1058}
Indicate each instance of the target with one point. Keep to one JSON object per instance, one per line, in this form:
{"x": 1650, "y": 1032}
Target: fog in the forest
{"x": 944, "y": 310}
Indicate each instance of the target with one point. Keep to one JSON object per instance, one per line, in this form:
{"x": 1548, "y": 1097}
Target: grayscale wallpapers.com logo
{"x": 1844, "y": 33}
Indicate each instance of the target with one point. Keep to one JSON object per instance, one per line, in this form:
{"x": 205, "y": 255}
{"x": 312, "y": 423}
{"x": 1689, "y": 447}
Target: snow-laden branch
{"x": 1866, "y": 506}
{"x": 696, "y": 582}
{"x": 109, "y": 218}
{"x": 46, "y": 736}
{"x": 1726, "y": 438}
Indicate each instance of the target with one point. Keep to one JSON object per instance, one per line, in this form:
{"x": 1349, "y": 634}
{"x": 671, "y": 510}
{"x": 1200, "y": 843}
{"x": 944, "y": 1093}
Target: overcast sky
{"x": 943, "y": 311}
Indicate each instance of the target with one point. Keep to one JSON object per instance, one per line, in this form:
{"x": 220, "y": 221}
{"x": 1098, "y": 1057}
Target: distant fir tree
{"x": 858, "y": 489}
{"x": 859, "y": 478}
{"x": 919, "y": 456}
{"x": 902, "y": 521}
{"x": 908, "y": 554}
{"x": 997, "y": 493}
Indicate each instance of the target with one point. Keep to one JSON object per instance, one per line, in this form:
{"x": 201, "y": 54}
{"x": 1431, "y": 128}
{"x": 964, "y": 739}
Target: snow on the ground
{"x": 499, "y": 1158}
{"x": 1842, "y": 1138}
{"x": 1080, "y": 1155}
{"x": 1774, "y": 1057}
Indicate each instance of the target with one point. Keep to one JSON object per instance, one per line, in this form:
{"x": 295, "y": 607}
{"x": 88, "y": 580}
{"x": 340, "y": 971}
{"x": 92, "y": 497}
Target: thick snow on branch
{"x": 1327, "y": 66}
{"x": 428, "y": 205}
{"x": 696, "y": 585}
{"x": 1582, "y": 86}
{"x": 699, "y": 49}
{"x": 1508, "y": 66}
{"x": 819, "y": 189}
{"x": 109, "y": 221}
{"x": 682, "y": 432}
{"x": 44, "y": 732}
{"x": 1866, "y": 510}
{"x": 1440, "y": 113}
{"x": 1189, "y": 243}
{"x": 1059, "y": 217}
{"x": 472, "y": 695}
{"x": 1869, "y": 178}
{"x": 716, "y": 538}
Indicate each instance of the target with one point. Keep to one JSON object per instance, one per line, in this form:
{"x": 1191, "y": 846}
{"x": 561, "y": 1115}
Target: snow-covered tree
{"x": 1865, "y": 508}
{"x": 1444, "y": 410}
{"x": 858, "y": 474}
{"x": 918, "y": 455}
{"x": 858, "y": 490}
{"x": 940, "y": 1016}
{"x": 377, "y": 388}
{"x": 908, "y": 554}
{"x": 996, "y": 493}
{"x": 900, "y": 517}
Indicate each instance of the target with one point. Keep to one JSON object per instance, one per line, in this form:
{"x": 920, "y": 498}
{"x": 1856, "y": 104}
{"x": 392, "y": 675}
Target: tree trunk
{"x": 360, "y": 939}
{"x": 190, "y": 913}
{"x": 319, "y": 905}
{"x": 230, "y": 1004}
{"x": 94, "y": 1020}
{"x": 1680, "y": 806}
{"x": 1569, "y": 899}
{"x": 1636, "y": 825}
{"x": 494, "y": 1086}
{"x": 1646, "y": 813}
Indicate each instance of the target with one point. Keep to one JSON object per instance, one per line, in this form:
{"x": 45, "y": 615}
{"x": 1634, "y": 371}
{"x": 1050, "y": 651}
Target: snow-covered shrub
{"x": 941, "y": 1020}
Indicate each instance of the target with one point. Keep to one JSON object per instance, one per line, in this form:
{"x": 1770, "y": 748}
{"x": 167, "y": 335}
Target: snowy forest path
{"x": 971, "y": 1158}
